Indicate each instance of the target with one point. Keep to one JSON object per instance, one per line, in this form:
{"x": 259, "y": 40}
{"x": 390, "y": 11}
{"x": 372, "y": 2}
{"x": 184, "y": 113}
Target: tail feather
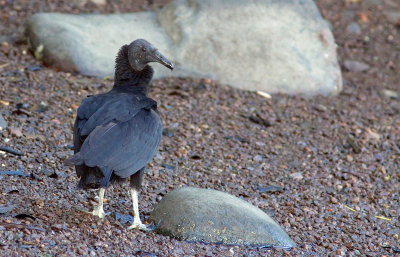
{"x": 74, "y": 160}
{"x": 94, "y": 177}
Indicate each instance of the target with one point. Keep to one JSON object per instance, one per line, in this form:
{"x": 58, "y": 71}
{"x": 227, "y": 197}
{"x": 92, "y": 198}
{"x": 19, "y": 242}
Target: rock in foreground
{"x": 210, "y": 216}
{"x": 272, "y": 46}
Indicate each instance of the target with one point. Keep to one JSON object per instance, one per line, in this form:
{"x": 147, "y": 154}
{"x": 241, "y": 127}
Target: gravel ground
{"x": 334, "y": 160}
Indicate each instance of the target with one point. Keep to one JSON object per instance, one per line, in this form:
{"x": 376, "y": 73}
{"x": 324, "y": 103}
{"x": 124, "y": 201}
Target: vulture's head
{"x": 141, "y": 52}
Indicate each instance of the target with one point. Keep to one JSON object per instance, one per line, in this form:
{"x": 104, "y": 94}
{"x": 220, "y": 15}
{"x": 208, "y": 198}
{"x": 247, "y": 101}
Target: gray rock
{"x": 392, "y": 16}
{"x": 3, "y": 123}
{"x": 355, "y": 66}
{"x": 353, "y": 28}
{"x": 205, "y": 215}
{"x": 271, "y": 46}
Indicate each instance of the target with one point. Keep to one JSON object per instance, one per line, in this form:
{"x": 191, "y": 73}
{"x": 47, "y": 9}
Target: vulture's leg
{"x": 98, "y": 211}
{"x": 136, "y": 181}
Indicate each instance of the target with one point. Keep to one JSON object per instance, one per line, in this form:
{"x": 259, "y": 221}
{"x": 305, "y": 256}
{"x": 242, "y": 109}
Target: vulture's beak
{"x": 163, "y": 60}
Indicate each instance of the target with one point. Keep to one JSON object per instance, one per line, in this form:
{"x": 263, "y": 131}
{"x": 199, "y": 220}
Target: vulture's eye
{"x": 144, "y": 49}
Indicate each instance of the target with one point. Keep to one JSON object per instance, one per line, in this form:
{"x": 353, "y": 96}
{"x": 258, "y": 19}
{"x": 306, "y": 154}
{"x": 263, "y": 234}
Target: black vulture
{"x": 117, "y": 133}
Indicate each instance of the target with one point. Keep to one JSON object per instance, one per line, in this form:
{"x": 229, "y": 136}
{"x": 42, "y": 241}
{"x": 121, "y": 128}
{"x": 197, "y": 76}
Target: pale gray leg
{"x": 137, "y": 223}
{"x": 98, "y": 211}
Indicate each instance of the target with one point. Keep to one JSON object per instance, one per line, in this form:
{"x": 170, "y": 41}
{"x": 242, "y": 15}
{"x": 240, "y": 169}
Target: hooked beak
{"x": 164, "y": 61}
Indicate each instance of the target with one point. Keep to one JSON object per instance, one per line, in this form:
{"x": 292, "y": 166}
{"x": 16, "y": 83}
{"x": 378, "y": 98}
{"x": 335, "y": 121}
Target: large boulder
{"x": 268, "y": 45}
{"x": 205, "y": 215}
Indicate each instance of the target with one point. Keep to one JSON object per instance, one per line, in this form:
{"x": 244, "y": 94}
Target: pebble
{"x": 99, "y": 2}
{"x": 389, "y": 93}
{"x": 258, "y": 158}
{"x": 371, "y": 135}
{"x": 349, "y": 158}
{"x": 168, "y": 132}
{"x": 355, "y": 200}
{"x": 355, "y": 66}
{"x": 353, "y": 28}
{"x": 270, "y": 189}
{"x": 392, "y": 16}
{"x": 296, "y": 175}
{"x": 3, "y": 123}
{"x": 333, "y": 200}
{"x": 58, "y": 227}
{"x": 340, "y": 252}
{"x": 321, "y": 108}
{"x": 15, "y": 132}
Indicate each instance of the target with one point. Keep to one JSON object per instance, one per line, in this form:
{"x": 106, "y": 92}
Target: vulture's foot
{"x": 96, "y": 212}
{"x": 139, "y": 225}
{"x": 99, "y": 212}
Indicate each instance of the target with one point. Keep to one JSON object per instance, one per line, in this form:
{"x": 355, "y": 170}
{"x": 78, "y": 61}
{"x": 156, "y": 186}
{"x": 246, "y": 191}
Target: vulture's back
{"x": 116, "y": 133}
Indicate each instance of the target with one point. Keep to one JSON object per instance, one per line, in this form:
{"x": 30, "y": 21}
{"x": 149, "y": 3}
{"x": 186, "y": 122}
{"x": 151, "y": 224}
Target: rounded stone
{"x": 210, "y": 216}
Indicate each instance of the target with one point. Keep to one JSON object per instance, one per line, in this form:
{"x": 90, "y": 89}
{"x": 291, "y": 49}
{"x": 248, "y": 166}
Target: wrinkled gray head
{"x": 141, "y": 52}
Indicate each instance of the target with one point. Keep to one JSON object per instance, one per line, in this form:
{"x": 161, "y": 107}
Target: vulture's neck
{"x": 125, "y": 76}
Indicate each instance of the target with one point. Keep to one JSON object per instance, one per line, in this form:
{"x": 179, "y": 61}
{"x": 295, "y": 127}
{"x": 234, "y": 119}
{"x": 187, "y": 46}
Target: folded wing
{"x": 122, "y": 136}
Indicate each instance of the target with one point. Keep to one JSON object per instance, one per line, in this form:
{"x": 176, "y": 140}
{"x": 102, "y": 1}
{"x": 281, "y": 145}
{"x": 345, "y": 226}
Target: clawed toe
{"x": 99, "y": 213}
{"x": 141, "y": 226}
{"x": 95, "y": 212}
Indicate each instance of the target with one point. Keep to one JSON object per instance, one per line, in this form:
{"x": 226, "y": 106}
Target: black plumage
{"x": 117, "y": 133}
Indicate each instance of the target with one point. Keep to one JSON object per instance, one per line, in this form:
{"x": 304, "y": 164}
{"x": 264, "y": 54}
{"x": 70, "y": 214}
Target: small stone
{"x": 372, "y": 136}
{"x": 258, "y": 158}
{"x": 264, "y": 94}
{"x": 392, "y": 16}
{"x": 168, "y": 167}
{"x": 333, "y": 200}
{"x": 349, "y": 158}
{"x": 321, "y": 108}
{"x": 355, "y": 66}
{"x": 355, "y": 200}
{"x": 353, "y": 143}
{"x": 389, "y": 93}
{"x": 40, "y": 203}
{"x": 168, "y": 132}
{"x": 3, "y": 123}
{"x": 5, "y": 103}
{"x": 33, "y": 68}
{"x": 15, "y": 132}
{"x": 41, "y": 107}
{"x": 340, "y": 252}
{"x": 123, "y": 218}
{"x": 353, "y": 28}
{"x": 57, "y": 227}
{"x": 99, "y": 2}
{"x": 296, "y": 175}
{"x": 270, "y": 189}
